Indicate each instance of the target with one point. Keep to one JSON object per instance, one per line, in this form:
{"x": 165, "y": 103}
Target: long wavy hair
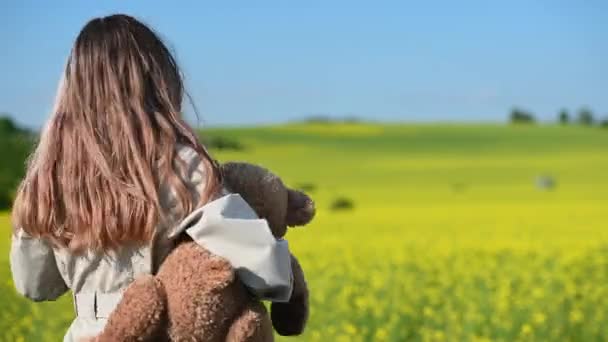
{"x": 94, "y": 179}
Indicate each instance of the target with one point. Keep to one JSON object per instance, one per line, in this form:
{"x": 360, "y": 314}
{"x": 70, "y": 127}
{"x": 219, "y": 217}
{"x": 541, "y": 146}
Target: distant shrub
{"x": 342, "y": 203}
{"x": 585, "y": 117}
{"x": 604, "y": 123}
{"x": 563, "y": 117}
{"x": 546, "y": 182}
{"x": 222, "y": 143}
{"x": 5, "y": 200}
{"x": 459, "y": 187}
{"x": 306, "y": 187}
{"x": 520, "y": 116}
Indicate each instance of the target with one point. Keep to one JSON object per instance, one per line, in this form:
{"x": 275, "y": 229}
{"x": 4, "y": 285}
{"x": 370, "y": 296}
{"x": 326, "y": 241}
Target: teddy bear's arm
{"x": 290, "y": 318}
{"x": 193, "y": 297}
{"x": 140, "y": 316}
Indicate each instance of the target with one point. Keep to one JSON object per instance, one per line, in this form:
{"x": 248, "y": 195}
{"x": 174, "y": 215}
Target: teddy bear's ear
{"x": 300, "y": 208}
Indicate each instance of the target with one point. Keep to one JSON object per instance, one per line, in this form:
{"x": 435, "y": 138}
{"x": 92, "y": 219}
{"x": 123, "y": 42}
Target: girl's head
{"x": 93, "y": 181}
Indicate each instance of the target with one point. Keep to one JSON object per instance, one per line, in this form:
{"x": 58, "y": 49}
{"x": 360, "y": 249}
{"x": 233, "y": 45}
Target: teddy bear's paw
{"x": 140, "y": 314}
{"x": 252, "y": 325}
{"x": 289, "y": 319}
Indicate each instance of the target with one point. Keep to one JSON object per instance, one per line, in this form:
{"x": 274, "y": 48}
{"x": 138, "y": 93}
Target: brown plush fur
{"x": 252, "y": 324}
{"x": 145, "y": 296}
{"x": 196, "y": 296}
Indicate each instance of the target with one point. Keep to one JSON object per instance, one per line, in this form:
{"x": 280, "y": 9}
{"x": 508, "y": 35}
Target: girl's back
{"x": 97, "y": 278}
{"x": 115, "y": 169}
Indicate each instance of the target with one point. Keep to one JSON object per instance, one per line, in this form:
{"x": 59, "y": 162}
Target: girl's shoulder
{"x": 190, "y": 168}
{"x": 186, "y": 153}
{"x": 195, "y": 168}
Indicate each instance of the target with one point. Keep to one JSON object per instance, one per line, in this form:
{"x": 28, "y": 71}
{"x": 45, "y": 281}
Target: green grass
{"x": 449, "y": 238}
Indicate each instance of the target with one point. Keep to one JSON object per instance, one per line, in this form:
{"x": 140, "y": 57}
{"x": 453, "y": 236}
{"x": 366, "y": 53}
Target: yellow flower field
{"x": 451, "y": 237}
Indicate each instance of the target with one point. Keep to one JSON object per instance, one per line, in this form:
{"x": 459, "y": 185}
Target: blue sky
{"x": 257, "y": 62}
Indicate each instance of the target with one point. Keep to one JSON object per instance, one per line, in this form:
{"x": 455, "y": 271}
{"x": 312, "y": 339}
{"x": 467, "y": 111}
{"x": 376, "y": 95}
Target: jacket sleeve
{"x": 228, "y": 227}
{"x": 34, "y": 268}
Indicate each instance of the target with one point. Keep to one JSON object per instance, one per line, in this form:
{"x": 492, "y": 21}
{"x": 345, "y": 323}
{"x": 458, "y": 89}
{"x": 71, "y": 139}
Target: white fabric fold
{"x": 228, "y": 227}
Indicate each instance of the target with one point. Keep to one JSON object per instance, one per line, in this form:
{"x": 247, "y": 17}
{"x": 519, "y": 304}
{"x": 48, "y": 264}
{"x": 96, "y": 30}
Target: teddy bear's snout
{"x": 301, "y": 209}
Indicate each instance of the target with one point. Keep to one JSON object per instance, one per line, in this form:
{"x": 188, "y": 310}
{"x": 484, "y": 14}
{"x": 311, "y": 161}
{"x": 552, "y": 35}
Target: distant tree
{"x": 521, "y": 116}
{"x": 15, "y": 144}
{"x": 585, "y": 116}
{"x": 604, "y": 123}
{"x": 7, "y": 125}
{"x": 352, "y": 119}
{"x": 564, "y": 117}
{"x": 318, "y": 119}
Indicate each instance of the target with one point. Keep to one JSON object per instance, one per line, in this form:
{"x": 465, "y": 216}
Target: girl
{"x": 115, "y": 171}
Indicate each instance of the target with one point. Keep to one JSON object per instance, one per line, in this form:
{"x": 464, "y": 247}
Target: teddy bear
{"x": 197, "y": 296}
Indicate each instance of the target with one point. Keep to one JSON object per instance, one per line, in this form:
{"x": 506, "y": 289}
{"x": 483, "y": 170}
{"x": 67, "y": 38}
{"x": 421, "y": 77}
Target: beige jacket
{"x": 226, "y": 226}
